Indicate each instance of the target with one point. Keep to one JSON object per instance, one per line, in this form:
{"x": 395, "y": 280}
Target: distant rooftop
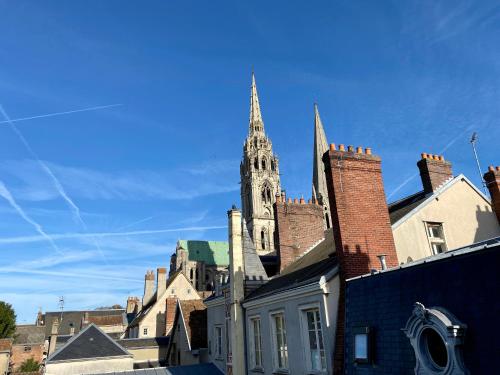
{"x": 212, "y": 253}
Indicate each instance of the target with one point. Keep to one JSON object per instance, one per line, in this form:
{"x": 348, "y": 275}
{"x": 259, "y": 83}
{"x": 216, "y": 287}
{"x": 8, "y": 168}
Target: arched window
{"x": 263, "y": 163}
{"x": 268, "y": 194}
{"x": 256, "y": 163}
{"x": 272, "y": 165}
{"x": 263, "y": 239}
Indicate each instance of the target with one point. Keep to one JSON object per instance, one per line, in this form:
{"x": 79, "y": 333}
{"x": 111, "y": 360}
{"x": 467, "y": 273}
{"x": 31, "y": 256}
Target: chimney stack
{"x": 492, "y": 179}
{"x": 53, "y": 335}
{"x": 360, "y": 221}
{"x": 161, "y": 281}
{"x": 149, "y": 281}
{"x": 434, "y": 171}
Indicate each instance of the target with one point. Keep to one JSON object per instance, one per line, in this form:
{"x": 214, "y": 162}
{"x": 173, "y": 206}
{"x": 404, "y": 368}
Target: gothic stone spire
{"x": 319, "y": 178}
{"x": 256, "y": 122}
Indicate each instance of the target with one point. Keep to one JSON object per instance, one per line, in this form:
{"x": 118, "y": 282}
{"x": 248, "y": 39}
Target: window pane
{"x": 361, "y": 346}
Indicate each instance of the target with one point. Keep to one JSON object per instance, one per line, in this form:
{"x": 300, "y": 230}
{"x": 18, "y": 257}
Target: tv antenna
{"x": 473, "y": 141}
{"x": 61, "y": 307}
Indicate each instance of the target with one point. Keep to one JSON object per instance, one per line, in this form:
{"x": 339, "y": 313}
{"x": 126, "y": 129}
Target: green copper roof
{"x": 214, "y": 253}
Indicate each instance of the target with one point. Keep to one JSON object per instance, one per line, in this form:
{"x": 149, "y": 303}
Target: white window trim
{"x": 274, "y": 343}
{"x": 431, "y": 240}
{"x": 251, "y": 342}
{"x": 304, "y": 335}
{"x": 219, "y": 355}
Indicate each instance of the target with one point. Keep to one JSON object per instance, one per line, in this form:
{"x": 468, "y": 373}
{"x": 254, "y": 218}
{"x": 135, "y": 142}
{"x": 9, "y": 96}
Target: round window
{"x": 436, "y": 348}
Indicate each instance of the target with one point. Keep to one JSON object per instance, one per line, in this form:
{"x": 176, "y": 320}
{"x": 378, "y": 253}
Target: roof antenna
{"x": 61, "y": 306}
{"x": 473, "y": 141}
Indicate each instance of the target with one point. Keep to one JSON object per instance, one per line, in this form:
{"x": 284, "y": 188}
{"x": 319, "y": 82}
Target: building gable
{"x": 89, "y": 343}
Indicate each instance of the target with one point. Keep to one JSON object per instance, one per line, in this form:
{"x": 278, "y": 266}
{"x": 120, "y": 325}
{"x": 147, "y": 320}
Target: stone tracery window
{"x": 264, "y": 163}
{"x": 256, "y": 163}
{"x": 437, "y": 337}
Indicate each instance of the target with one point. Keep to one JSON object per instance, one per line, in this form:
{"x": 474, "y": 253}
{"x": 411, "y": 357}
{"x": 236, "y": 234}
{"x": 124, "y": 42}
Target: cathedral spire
{"x": 256, "y": 122}
{"x": 319, "y": 179}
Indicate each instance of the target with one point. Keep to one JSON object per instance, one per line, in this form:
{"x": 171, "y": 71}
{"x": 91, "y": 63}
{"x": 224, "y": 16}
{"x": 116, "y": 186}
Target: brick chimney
{"x": 149, "y": 285}
{"x": 360, "y": 222}
{"x": 132, "y": 305}
{"x": 161, "y": 281}
{"x": 434, "y": 171}
{"x": 171, "y": 306}
{"x": 298, "y": 227}
{"x": 492, "y": 179}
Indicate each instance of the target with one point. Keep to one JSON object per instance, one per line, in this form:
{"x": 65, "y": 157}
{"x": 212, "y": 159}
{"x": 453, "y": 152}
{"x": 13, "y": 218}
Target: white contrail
{"x": 63, "y": 236}
{"x": 5, "y": 193}
{"x": 135, "y": 223}
{"x": 74, "y": 208}
{"x": 62, "y": 113}
{"x": 92, "y": 276}
{"x": 448, "y": 145}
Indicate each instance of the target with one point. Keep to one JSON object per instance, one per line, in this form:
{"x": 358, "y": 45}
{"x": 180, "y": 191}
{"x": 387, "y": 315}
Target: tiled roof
{"x": 73, "y": 319}
{"x": 91, "y": 342}
{"x": 212, "y": 253}
{"x": 108, "y": 320}
{"x": 29, "y": 334}
{"x": 400, "y": 208}
{"x": 194, "y": 313}
{"x": 304, "y": 276}
{"x": 5, "y": 345}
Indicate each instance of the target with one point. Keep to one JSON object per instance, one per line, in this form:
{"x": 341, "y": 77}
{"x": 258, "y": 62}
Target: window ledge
{"x": 257, "y": 369}
{"x": 281, "y": 371}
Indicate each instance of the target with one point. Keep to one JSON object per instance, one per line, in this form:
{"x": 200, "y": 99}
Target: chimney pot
{"x": 295, "y": 200}
{"x": 290, "y": 200}
{"x": 383, "y": 264}
{"x": 302, "y": 201}
{"x": 424, "y": 155}
{"x": 350, "y": 148}
{"x": 368, "y": 151}
{"x": 498, "y": 168}
{"x": 491, "y": 168}
{"x": 341, "y": 147}
{"x": 332, "y": 147}
{"x": 359, "y": 150}
{"x": 441, "y": 157}
{"x": 436, "y": 157}
{"x": 309, "y": 201}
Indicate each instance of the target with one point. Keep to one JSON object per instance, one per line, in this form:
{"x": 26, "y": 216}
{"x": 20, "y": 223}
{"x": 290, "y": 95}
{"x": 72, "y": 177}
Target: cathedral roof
{"x": 212, "y": 253}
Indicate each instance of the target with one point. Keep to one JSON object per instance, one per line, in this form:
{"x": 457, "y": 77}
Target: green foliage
{"x": 7, "y": 320}
{"x": 30, "y": 365}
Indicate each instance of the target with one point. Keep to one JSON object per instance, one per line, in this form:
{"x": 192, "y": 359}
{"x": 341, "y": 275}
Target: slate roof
{"x": 74, "y": 319}
{"x": 400, "y": 208}
{"x": 199, "y": 369}
{"x": 29, "y": 334}
{"x": 144, "y": 342}
{"x": 194, "y": 313}
{"x": 212, "y": 253}
{"x": 304, "y": 276}
{"x": 90, "y": 343}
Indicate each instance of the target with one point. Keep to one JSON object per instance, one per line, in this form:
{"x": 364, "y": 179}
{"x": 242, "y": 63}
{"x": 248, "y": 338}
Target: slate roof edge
{"x": 305, "y": 285}
{"x": 472, "y": 248}
{"x": 89, "y": 359}
{"x": 436, "y": 194}
{"x": 78, "y": 335}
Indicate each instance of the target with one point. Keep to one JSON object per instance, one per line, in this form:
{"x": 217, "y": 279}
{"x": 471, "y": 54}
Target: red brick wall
{"x": 19, "y": 355}
{"x": 299, "y": 225}
{"x": 434, "y": 171}
{"x": 492, "y": 179}
{"x": 360, "y": 221}
{"x": 170, "y": 314}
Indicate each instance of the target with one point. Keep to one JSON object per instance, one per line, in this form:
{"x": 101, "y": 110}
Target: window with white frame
{"x": 255, "y": 343}
{"x": 218, "y": 342}
{"x": 435, "y": 234}
{"x": 280, "y": 355}
{"x": 313, "y": 337}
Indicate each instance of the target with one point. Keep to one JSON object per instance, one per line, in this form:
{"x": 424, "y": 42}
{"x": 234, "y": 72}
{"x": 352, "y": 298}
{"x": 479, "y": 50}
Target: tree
{"x": 7, "y": 320}
{"x": 30, "y": 365}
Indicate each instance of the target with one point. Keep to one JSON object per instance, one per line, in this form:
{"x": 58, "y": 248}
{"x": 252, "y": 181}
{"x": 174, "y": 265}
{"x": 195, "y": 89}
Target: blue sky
{"x": 114, "y": 188}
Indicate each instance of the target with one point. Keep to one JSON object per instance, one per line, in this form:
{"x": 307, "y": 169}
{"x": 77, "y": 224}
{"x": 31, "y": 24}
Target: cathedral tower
{"x": 260, "y": 181}
{"x": 320, "y": 190}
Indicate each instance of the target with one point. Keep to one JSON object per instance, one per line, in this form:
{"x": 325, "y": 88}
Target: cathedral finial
{"x": 256, "y": 122}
